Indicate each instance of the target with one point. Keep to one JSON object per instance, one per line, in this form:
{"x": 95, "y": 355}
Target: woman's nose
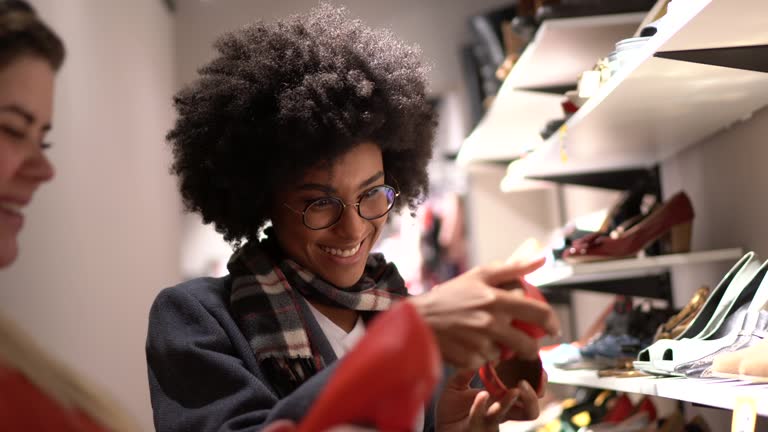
{"x": 37, "y": 167}
{"x": 351, "y": 225}
{"x": 24, "y": 163}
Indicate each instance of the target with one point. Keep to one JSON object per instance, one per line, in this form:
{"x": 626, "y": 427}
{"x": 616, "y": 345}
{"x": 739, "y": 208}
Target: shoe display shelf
{"x": 700, "y": 74}
{"x": 642, "y": 277}
{"x": 719, "y": 393}
{"x": 532, "y": 92}
{"x": 697, "y": 76}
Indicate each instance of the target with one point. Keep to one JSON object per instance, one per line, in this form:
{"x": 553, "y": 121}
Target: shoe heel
{"x": 679, "y": 238}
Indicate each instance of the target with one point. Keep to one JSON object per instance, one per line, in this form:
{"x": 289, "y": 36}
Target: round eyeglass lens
{"x": 323, "y": 213}
{"x": 377, "y": 202}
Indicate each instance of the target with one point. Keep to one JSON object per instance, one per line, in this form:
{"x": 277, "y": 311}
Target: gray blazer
{"x": 203, "y": 375}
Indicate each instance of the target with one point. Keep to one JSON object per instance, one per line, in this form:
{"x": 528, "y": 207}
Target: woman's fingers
{"x": 543, "y": 386}
{"x": 477, "y": 417}
{"x": 461, "y": 379}
{"x": 481, "y": 343}
{"x": 526, "y": 309}
{"x": 458, "y": 355}
{"x": 477, "y": 336}
{"x": 499, "y": 275}
{"x": 508, "y": 336}
{"x": 498, "y": 411}
{"x": 491, "y": 305}
{"x": 528, "y": 401}
{"x": 486, "y": 416}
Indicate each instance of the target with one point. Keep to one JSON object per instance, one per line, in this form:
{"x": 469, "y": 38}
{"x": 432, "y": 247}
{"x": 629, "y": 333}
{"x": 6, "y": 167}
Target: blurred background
{"x": 109, "y": 233}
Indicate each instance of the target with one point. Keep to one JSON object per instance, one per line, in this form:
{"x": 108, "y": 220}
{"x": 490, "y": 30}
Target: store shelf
{"x": 564, "y": 48}
{"x": 654, "y": 107}
{"x": 561, "y": 50}
{"x": 563, "y": 273}
{"x": 511, "y": 126}
{"x": 722, "y": 23}
{"x": 752, "y": 57}
{"x": 716, "y": 393}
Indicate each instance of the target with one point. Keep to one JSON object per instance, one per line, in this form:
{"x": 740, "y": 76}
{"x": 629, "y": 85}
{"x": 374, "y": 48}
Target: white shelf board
{"x": 509, "y": 184}
{"x": 555, "y": 157}
{"x": 723, "y": 23}
{"x": 564, "y": 48}
{"x": 562, "y": 272}
{"x": 511, "y": 126}
{"x": 525, "y": 186}
{"x": 716, "y": 393}
{"x": 561, "y": 50}
{"x": 654, "y": 108}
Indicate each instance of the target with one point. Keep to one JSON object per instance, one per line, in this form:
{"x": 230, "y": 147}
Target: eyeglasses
{"x": 325, "y": 212}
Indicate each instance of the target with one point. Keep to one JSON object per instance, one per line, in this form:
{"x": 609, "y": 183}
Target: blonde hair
{"x": 20, "y": 352}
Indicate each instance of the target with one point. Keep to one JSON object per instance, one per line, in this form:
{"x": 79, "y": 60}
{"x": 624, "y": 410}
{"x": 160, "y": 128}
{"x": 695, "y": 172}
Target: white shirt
{"x": 343, "y": 342}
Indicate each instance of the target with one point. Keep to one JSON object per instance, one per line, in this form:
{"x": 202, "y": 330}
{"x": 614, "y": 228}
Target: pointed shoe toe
{"x": 717, "y": 324}
{"x": 754, "y": 367}
{"x": 373, "y": 385}
{"x": 672, "y": 219}
{"x": 727, "y": 365}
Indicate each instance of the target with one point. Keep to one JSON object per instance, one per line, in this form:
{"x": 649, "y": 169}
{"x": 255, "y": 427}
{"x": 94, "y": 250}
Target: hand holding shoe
{"x": 470, "y": 315}
{"x": 465, "y": 409}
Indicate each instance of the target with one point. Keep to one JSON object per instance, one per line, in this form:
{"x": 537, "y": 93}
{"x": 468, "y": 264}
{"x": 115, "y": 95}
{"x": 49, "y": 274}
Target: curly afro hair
{"x": 284, "y": 97}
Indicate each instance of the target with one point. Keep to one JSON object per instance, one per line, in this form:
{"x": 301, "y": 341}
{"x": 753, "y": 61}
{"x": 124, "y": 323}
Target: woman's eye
{"x": 319, "y": 203}
{"x": 20, "y": 135}
{"x": 12, "y": 132}
{"x": 373, "y": 192}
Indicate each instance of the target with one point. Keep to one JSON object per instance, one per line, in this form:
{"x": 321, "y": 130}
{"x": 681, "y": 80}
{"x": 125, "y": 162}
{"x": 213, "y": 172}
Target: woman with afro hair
{"x": 295, "y": 142}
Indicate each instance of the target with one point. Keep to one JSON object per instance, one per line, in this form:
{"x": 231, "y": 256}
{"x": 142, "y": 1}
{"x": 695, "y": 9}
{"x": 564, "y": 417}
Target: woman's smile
{"x": 341, "y": 252}
{"x": 337, "y": 253}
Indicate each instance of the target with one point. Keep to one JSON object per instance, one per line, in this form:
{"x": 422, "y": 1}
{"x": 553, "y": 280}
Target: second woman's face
{"x": 338, "y": 253}
{"x": 26, "y": 99}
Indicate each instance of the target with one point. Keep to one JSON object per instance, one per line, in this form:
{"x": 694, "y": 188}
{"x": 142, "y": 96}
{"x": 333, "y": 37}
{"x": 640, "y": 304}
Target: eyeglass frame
{"x": 344, "y": 206}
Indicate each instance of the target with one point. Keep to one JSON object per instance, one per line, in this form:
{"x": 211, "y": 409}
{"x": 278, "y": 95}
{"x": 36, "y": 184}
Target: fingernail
{"x": 486, "y": 395}
{"x": 496, "y": 406}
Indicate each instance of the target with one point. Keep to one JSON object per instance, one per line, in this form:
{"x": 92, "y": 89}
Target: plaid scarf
{"x": 266, "y": 287}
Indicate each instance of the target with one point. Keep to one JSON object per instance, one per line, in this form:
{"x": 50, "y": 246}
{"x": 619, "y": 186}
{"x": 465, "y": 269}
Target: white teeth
{"x": 342, "y": 252}
{"x": 11, "y": 207}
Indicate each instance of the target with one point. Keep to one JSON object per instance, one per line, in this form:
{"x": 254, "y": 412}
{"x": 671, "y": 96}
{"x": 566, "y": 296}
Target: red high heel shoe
{"x": 673, "y": 218}
{"x": 385, "y": 380}
{"x": 499, "y": 377}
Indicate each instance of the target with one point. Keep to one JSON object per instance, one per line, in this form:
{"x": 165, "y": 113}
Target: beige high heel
{"x": 749, "y": 364}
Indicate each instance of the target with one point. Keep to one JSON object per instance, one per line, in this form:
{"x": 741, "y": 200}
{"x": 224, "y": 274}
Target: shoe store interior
{"x": 619, "y": 143}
